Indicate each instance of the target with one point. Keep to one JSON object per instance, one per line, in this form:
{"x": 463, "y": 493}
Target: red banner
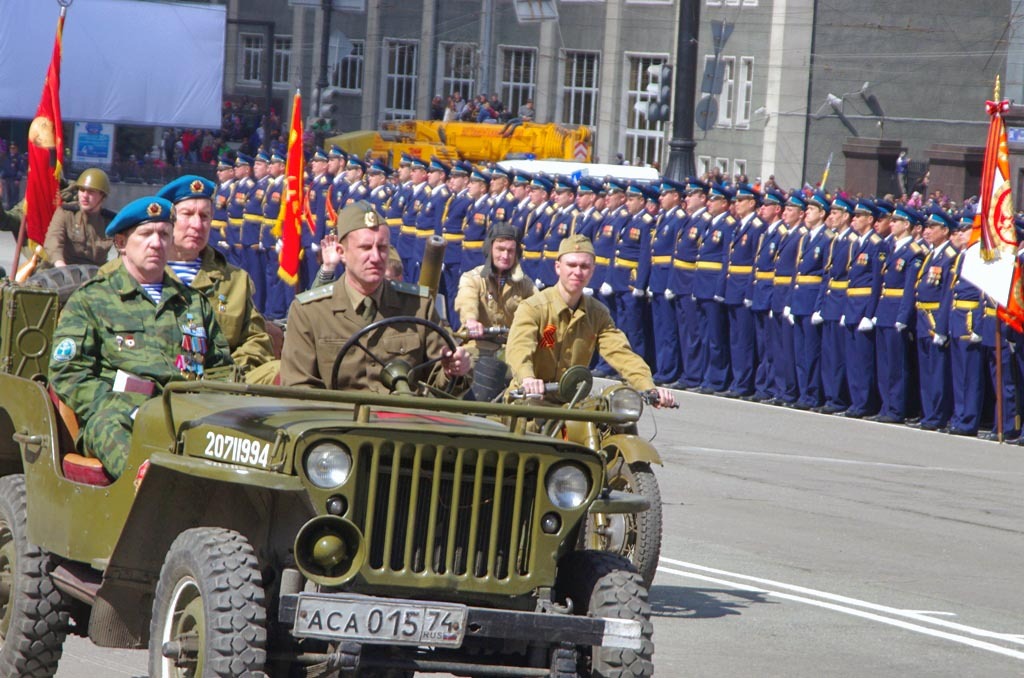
{"x": 289, "y": 220}
{"x": 45, "y": 151}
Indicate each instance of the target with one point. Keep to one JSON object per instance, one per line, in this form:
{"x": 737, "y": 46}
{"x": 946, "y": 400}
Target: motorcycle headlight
{"x": 567, "y": 486}
{"x": 328, "y": 465}
{"x": 626, "y": 401}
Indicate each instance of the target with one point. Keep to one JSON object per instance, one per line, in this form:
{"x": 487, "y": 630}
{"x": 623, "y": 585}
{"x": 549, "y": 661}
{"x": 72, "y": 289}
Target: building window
{"x": 722, "y": 167}
{"x": 745, "y": 91}
{"x": 458, "y": 70}
{"x": 703, "y": 165}
{"x": 714, "y": 3}
{"x": 282, "y": 59}
{"x": 250, "y": 59}
{"x": 732, "y": 3}
{"x": 750, "y": 3}
{"x": 399, "y": 79}
{"x": 579, "y": 88}
{"x": 727, "y": 98}
{"x": 739, "y": 167}
{"x": 518, "y": 76}
{"x": 644, "y": 139}
{"x": 346, "y": 70}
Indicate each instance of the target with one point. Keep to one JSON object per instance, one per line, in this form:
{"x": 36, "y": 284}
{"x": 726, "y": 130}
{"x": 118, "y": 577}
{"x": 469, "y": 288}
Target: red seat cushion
{"x": 85, "y": 470}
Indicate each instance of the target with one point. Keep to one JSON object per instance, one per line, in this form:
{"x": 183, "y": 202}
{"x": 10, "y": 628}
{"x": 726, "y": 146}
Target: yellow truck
{"x": 472, "y": 141}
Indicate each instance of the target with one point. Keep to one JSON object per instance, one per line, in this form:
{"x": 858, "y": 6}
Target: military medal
{"x": 222, "y": 307}
{"x": 193, "y": 345}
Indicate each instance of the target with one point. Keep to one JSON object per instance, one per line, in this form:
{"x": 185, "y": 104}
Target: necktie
{"x": 369, "y": 309}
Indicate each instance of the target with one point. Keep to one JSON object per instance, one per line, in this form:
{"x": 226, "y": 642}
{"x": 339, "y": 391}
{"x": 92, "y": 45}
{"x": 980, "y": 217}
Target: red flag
{"x": 993, "y": 224}
{"x": 289, "y": 219}
{"x": 45, "y": 150}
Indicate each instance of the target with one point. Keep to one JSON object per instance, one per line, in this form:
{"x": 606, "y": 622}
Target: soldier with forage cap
{"x": 476, "y": 221}
{"x": 240, "y": 191}
{"x": 137, "y": 324}
{"x": 324, "y": 318}
{"x": 831, "y": 300}
{"x": 561, "y": 327}
{"x": 787, "y": 390}
{"x": 961, "y": 317}
{"x": 667, "y": 359}
{"x": 709, "y": 284}
{"x": 225, "y": 185}
{"x": 689, "y": 237}
{"x": 766, "y": 330}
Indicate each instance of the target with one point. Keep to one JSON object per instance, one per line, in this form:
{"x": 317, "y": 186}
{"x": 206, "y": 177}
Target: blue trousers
{"x": 786, "y": 387}
{"x": 1011, "y": 427}
{"x": 450, "y": 286}
{"x": 936, "y": 383}
{"x": 667, "y": 359}
{"x": 598, "y": 362}
{"x": 764, "y": 375}
{"x": 860, "y": 370}
{"x": 714, "y": 322}
{"x": 807, "y": 356}
{"x": 279, "y": 294}
{"x": 893, "y": 363}
{"x": 742, "y": 349}
{"x": 833, "y": 364}
{"x": 630, "y": 319}
{"x": 967, "y": 366}
{"x": 695, "y": 355}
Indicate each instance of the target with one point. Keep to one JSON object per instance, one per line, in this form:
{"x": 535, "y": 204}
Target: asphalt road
{"x": 803, "y": 545}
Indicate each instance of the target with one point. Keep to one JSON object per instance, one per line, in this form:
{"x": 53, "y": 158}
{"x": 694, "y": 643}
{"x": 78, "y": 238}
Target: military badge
{"x": 743, "y": 240}
{"x": 900, "y": 265}
{"x": 153, "y": 209}
{"x": 716, "y": 237}
{"x": 862, "y": 259}
{"x": 634, "y": 233}
{"x": 64, "y": 351}
{"x": 817, "y": 252}
{"x": 693, "y": 233}
{"x": 193, "y": 346}
{"x": 771, "y": 247}
{"x": 196, "y": 186}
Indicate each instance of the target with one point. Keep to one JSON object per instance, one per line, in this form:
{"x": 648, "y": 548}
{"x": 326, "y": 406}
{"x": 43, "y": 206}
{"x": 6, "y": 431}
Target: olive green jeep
{"x": 280, "y": 531}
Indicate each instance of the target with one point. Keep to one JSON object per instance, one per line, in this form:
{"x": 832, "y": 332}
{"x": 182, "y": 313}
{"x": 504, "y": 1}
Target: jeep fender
{"x": 178, "y": 493}
{"x": 632, "y": 448}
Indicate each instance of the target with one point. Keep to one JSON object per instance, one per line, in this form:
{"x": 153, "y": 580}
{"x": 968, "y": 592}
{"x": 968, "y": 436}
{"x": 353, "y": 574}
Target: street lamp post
{"x": 681, "y": 161}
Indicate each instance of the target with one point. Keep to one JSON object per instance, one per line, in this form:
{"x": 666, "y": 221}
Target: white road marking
{"x": 849, "y": 606}
{"x": 848, "y": 462}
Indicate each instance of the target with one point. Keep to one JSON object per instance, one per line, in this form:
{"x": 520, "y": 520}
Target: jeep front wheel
{"x": 209, "y": 614}
{"x": 33, "y": 616}
{"x": 602, "y": 584}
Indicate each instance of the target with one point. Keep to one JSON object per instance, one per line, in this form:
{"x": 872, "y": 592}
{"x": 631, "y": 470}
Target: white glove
{"x": 669, "y": 294}
{"x": 787, "y": 312}
{"x": 842, "y": 320}
{"x": 940, "y": 339}
{"x": 693, "y": 297}
{"x": 718, "y": 298}
{"x": 637, "y": 292}
{"x": 315, "y": 247}
{"x": 791, "y": 319}
{"x": 771, "y": 313}
{"x": 539, "y": 284}
{"x": 865, "y": 325}
{"x": 588, "y": 291}
{"x": 650, "y": 294}
{"x": 975, "y": 338}
{"x": 748, "y": 302}
{"x": 816, "y": 318}
{"x": 278, "y": 246}
{"x": 900, "y": 326}
{"x": 874, "y": 321}
{"x": 605, "y": 289}
{"x": 442, "y": 267}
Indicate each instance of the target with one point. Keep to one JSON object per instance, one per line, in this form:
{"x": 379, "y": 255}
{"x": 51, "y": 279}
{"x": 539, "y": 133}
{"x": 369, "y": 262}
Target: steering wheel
{"x": 357, "y": 341}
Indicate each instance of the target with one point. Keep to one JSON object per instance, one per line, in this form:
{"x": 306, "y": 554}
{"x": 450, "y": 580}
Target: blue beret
{"x": 319, "y": 156}
{"x": 336, "y": 152}
{"x": 938, "y": 216}
{"x": 479, "y": 175}
{"x": 563, "y": 183}
{"x": 378, "y": 167}
{"x": 278, "y": 156}
{"x": 841, "y": 202}
{"x": 694, "y": 185}
{"x": 866, "y": 206}
{"x": 188, "y": 186}
{"x": 796, "y": 199}
{"x": 747, "y": 191}
{"x": 418, "y": 163}
{"x": 262, "y": 156}
{"x": 354, "y": 163}
{"x": 721, "y": 191}
{"x": 884, "y": 207}
{"x": 140, "y": 211}
{"x": 540, "y": 181}
{"x": 773, "y": 196}
{"x": 668, "y": 186}
{"x": 819, "y": 199}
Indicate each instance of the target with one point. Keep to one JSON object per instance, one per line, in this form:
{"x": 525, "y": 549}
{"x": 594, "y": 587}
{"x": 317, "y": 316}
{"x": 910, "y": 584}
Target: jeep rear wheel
{"x": 33, "y": 614}
{"x": 209, "y": 614}
{"x": 604, "y": 584}
{"x": 65, "y": 279}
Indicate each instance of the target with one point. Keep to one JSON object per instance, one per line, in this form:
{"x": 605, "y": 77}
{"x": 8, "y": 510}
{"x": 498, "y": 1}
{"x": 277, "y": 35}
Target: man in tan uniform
{"x": 322, "y": 319}
{"x": 560, "y": 327}
{"x": 76, "y": 234}
{"x": 490, "y": 294}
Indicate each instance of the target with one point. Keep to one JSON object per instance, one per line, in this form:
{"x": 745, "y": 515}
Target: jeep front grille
{"x": 447, "y": 511}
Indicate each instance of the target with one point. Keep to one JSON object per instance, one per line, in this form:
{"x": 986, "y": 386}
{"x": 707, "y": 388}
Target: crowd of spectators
{"x": 481, "y": 108}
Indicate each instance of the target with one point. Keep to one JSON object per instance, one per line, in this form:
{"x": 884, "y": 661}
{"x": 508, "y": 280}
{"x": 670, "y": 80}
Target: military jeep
{"x": 279, "y": 531}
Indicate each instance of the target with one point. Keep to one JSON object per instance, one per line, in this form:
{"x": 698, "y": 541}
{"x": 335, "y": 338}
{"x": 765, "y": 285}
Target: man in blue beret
{"x": 128, "y": 332}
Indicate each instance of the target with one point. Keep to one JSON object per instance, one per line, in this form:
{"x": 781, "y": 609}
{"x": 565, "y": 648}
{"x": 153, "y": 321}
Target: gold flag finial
{"x": 995, "y": 94}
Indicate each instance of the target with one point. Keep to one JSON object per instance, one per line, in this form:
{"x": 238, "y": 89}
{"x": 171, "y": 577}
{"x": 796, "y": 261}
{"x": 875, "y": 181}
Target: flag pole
{"x": 17, "y": 248}
{"x": 1000, "y": 424}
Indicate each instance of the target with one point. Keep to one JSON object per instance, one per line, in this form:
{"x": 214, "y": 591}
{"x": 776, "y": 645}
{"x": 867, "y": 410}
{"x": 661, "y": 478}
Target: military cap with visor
{"x": 576, "y": 243}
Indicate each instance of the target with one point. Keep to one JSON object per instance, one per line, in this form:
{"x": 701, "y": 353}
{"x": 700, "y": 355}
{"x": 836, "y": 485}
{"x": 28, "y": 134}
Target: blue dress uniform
{"x": 398, "y": 199}
{"x": 867, "y": 258}
{"x": 894, "y": 325}
{"x": 451, "y": 230}
{"x": 989, "y": 320}
{"x": 668, "y": 357}
{"x": 355, "y": 191}
{"x": 475, "y": 225}
{"x": 380, "y": 196}
{"x": 739, "y": 281}
{"x": 431, "y": 215}
{"x": 787, "y": 389}
{"x": 279, "y": 294}
{"x": 319, "y": 187}
{"x": 563, "y": 224}
{"x": 240, "y": 191}
{"x": 766, "y": 333}
{"x": 630, "y": 272}
{"x": 537, "y": 224}
{"x": 252, "y": 227}
{"x": 219, "y": 225}
{"x": 338, "y": 196}
{"x": 588, "y": 224}
{"x": 831, "y": 302}
{"x": 810, "y": 271}
{"x": 406, "y": 245}
{"x": 684, "y": 267}
{"x": 962, "y": 319}
{"x": 709, "y": 291}
{"x": 504, "y": 202}
{"x": 932, "y": 342}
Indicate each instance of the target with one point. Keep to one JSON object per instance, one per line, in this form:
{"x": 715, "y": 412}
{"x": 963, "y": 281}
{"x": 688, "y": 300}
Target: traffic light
{"x": 329, "y": 105}
{"x": 658, "y": 107}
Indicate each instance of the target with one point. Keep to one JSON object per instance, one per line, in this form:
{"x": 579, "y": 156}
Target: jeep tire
{"x": 209, "y": 610}
{"x": 33, "y": 613}
{"x": 602, "y": 584}
{"x": 64, "y": 280}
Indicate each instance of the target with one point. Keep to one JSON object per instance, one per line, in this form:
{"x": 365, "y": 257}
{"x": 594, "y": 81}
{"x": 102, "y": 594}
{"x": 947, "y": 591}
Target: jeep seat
{"x": 76, "y": 467}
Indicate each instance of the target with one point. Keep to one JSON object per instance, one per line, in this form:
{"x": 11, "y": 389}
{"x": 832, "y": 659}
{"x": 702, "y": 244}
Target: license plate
{"x": 379, "y": 620}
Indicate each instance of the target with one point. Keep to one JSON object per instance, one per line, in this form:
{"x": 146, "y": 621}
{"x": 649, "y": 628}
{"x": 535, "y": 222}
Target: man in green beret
{"x": 321, "y": 320}
{"x": 126, "y": 333}
{"x": 560, "y": 327}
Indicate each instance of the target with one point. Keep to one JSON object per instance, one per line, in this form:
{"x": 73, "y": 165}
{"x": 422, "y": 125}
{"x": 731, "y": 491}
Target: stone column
{"x": 871, "y": 165}
{"x": 955, "y": 170}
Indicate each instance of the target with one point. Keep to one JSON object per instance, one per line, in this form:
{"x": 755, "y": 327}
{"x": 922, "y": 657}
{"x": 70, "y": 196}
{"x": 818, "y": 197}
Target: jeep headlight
{"x": 626, "y": 401}
{"x": 328, "y": 465}
{"x": 567, "y": 486}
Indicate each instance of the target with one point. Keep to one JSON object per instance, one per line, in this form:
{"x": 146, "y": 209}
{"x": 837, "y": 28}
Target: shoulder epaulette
{"x": 874, "y": 239}
{"x": 705, "y": 216}
{"x": 680, "y": 212}
{"x": 410, "y": 288}
{"x": 852, "y": 237}
{"x": 426, "y": 190}
{"x": 830, "y": 234}
{"x": 783, "y": 230}
{"x": 549, "y": 210}
{"x": 315, "y": 294}
{"x": 730, "y": 220}
{"x": 647, "y": 218}
{"x": 915, "y": 248}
